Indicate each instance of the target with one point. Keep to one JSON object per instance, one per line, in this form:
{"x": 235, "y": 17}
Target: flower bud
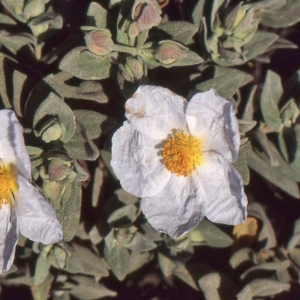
{"x": 168, "y": 52}
{"x": 133, "y": 30}
{"x": 51, "y": 130}
{"x": 146, "y": 13}
{"x": 54, "y": 191}
{"x": 99, "y": 42}
{"x": 58, "y": 169}
{"x": 132, "y": 70}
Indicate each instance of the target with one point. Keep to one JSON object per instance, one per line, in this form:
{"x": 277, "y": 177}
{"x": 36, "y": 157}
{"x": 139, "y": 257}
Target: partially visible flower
{"x": 22, "y": 207}
{"x": 176, "y": 155}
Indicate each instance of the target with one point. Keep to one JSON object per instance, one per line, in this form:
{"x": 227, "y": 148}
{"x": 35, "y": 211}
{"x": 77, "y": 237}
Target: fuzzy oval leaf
{"x": 42, "y": 291}
{"x": 91, "y": 120}
{"x": 245, "y": 293}
{"x": 180, "y": 31}
{"x": 226, "y": 81}
{"x": 87, "y": 289}
{"x": 140, "y": 243}
{"x": 270, "y": 96}
{"x": 83, "y": 64}
{"x": 124, "y": 214}
{"x": 69, "y": 212}
{"x": 271, "y": 174}
{"x": 96, "y": 16}
{"x": 259, "y": 44}
{"x": 271, "y": 266}
{"x": 118, "y": 259}
{"x": 242, "y": 256}
{"x": 285, "y": 16}
{"x": 213, "y": 236}
{"x": 91, "y": 263}
{"x": 192, "y": 59}
{"x": 267, "y": 287}
{"x": 80, "y": 146}
{"x": 41, "y": 269}
{"x": 267, "y": 234}
{"x": 166, "y": 264}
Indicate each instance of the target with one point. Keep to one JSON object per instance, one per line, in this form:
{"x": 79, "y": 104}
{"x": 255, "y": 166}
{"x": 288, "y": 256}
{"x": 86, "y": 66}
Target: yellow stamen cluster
{"x": 8, "y": 183}
{"x": 182, "y": 153}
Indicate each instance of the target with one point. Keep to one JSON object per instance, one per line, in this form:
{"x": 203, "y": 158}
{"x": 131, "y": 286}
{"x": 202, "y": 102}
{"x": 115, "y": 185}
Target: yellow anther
{"x": 182, "y": 153}
{"x": 8, "y": 183}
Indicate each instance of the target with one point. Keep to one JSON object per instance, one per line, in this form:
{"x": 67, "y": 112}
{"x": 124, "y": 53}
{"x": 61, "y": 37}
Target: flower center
{"x": 182, "y": 153}
{"x": 8, "y": 183}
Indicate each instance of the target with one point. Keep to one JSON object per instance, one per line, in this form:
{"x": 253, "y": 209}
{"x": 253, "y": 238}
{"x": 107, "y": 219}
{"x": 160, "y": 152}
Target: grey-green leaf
{"x": 270, "y": 96}
{"x": 91, "y": 263}
{"x": 96, "y": 16}
{"x": 285, "y": 16}
{"x": 91, "y": 120}
{"x": 259, "y": 44}
{"x": 140, "y": 243}
{"x": 214, "y": 236}
{"x": 267, "y": 287}
{"x": 180, "y": 31}
{"x": 118, "y": 259}
{"x": 69, "y": 212}
{"x": 87, "y": 289}
{"x": 41, "y": 269}
{"x": 80, "y": 146}
{"x": 226, "y": 81}
{"x": 83, "y": 64}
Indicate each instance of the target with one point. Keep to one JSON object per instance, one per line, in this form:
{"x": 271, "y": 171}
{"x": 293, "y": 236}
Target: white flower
{"x": 176, "y": 155}
{"x": 21, "y": 205}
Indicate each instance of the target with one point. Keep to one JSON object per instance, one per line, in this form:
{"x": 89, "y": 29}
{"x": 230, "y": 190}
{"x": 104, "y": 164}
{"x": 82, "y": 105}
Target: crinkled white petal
{"x": 136, "y": 162}
{"x": 212, "y": 118}
{"x": 156, "y": 111}
{"x": 36, "y": 217}
{"x": 12, "y": 148}
{"x": 178, "y": 208}
{"x": 226, "y": 201}
{"x": 8, "y": 236}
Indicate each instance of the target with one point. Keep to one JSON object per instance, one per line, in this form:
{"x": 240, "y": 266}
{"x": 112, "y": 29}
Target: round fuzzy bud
{"x": 169, "y": 52}
{"x": 146, "y": 14}
{"x": 51, "y": 130}
{"x": 99, "y": 42}
{"x": 132, "y": 70}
